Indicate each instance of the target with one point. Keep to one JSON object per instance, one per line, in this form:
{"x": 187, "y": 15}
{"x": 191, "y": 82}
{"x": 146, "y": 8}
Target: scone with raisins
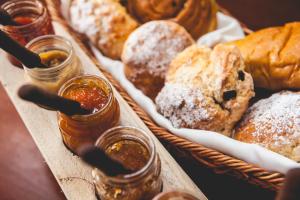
{"x": 206, "y": 89}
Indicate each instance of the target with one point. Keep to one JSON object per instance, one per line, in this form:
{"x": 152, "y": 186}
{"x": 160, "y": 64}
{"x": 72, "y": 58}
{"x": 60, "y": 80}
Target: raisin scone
{"x": 274, "y": 123}
{"x": 206, "y": 89}
{"x": 105, "y": 22}
{"x": 148, "y": 52}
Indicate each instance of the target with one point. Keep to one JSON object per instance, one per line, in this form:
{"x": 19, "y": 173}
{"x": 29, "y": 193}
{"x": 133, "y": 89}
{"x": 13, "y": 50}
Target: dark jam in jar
{"x": 33, "y": 20}
{"x": 93, "y": 93}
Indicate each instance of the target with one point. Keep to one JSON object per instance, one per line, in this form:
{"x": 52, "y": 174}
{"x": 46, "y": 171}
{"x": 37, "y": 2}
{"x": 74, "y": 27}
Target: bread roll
{"x": 105, "y": 22}
{"x": 272, "y": 56}
{"x": 206, "y": 89}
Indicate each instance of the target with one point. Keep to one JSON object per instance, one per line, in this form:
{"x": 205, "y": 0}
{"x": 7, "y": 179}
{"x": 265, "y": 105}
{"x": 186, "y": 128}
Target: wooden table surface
{"x": 25, "y": 175}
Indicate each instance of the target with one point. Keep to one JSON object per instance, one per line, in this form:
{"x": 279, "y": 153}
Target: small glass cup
{"x": 175, "y": 195}
{"x": 145, "y": 183}
{"x": 34, "y": 21}
{"x": 53, "y": 78}
{"x": 77, "y": 130}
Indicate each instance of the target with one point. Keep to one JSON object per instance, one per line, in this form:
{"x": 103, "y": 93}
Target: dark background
{"x": 25, "y": 175}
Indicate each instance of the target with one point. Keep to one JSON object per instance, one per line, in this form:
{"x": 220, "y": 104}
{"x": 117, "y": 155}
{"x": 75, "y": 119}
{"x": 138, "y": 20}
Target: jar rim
{"x": 57, "y": 38}
{"x": 67, "y": 84}
{"x": 135, "y": 175}
{"x": 176, "y": 192}
{"x": 17, "y": 2}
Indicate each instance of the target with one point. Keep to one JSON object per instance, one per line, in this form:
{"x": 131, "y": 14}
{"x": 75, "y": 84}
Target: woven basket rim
{"x": 219, "y": 162}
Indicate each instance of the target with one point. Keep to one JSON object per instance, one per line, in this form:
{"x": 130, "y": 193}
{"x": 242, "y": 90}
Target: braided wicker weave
{"x": 219, "y": 162}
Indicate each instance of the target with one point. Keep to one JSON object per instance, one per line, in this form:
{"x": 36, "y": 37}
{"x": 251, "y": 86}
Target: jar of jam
{"x": 95, "y": 94}
{"x": 135, "y": 150}
{"x": 58, "y": 54}
{"x": 33, "y": 20}
{"x": 175, "y": 195}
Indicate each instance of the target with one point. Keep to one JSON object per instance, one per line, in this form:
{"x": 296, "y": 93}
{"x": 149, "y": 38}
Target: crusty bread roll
{"x": 105, "y": 22}
{"x": 272, "y": 56}
{"x": 274, "y": 123}
{"x": 206, "y": 89}
{"x": 148, "y": 52}
{"x": 197, "y": 16}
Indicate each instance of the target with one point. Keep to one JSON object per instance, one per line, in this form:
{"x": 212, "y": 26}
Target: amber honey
{"x": 135, "y": 150}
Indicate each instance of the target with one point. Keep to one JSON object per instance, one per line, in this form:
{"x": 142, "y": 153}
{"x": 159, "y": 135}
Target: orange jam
{"x": 90, "y": 98}
{"x": 93, "y": 93}
{"x": 23, "y": 20}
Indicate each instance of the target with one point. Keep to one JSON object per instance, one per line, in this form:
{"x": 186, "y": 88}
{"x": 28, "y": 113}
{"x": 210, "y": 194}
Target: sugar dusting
{"x": 182, "y": 105}
{"x": 154, "y": 45}
{"x": 97, "y": 19}
{"x": 278, "y": 116}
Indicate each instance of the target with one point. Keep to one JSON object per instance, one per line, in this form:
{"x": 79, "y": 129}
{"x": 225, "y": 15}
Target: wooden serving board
{"x": 74, "y": 176}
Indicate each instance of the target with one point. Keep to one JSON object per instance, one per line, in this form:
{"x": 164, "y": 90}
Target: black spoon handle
{"x": 6, "y": 19}
{"x": 28, "y": 58}
{"x": 96, "y": 157}
{"x": 291, "y": 186}
{"x": 41, "y": 97}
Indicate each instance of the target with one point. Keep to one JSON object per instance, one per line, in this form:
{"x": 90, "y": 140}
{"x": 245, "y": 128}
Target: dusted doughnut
{"x": 274, "y": 123}
{"x": 148, "y": 52}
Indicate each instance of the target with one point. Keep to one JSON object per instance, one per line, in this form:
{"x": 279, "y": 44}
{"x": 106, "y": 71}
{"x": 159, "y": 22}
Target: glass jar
{"x": 144, "y": 183}
{"x": 53, "y": 78}
{"x": 175, "y": 195}
{"x": 34, "y": 21}
{"x": 77, "y": 130}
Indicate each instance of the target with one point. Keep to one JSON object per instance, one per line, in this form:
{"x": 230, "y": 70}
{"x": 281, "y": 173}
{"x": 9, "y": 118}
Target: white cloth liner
{"x": 228, "y": 29}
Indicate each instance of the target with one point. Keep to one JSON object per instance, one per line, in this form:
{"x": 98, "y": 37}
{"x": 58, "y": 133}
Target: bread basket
{"x": 219, "y": 162}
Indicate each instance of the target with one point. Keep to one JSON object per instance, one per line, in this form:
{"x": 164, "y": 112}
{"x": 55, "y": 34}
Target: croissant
{"x": 272, "y": 56}
{"x": 197, "y": 16}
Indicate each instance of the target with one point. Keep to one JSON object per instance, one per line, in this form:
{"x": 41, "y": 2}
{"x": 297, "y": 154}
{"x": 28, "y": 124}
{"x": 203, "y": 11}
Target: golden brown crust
{"x": 148, "y": 52}
{"x": 272, "y": 56}
{"x": 273, "y": 123}
{"x": 197, "y": 16}
{"x": 105, "y": 22}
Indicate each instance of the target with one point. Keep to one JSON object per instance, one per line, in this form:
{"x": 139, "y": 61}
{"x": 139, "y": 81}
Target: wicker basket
{"x": 219, "y": 162}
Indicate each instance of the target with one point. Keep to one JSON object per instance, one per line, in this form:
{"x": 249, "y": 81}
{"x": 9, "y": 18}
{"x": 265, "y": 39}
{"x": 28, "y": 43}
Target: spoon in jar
{"x": 97, "y": 157}
{"x": 50, "y": 100}
{"x": 6, "y": 19}
{"x": 25, "y": 56}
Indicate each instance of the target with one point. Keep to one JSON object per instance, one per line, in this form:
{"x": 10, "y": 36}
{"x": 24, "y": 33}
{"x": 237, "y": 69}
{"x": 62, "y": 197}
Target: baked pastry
{"x": 148, "y": 52}
{"x": 197, "y": 16}
{"x": 274, "y": 123}
{"x": 206, "y": 89}
{"x": 272, "y": 56}
{"x": 105, "y": 22}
